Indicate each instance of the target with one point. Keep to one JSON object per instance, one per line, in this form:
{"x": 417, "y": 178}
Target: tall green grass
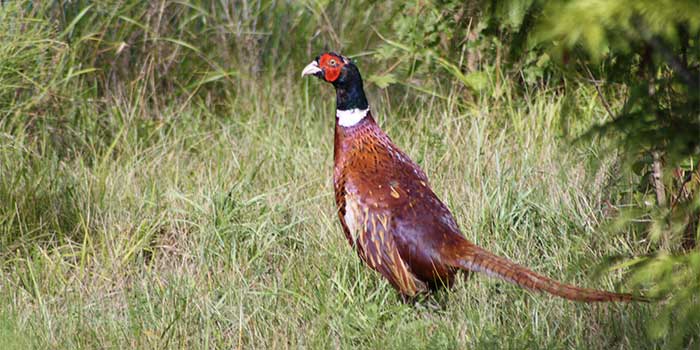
{"x": 185, "y": 200}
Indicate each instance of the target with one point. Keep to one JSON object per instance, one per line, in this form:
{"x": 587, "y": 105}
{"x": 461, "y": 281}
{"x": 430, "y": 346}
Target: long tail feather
{"x": 473, "y": 258}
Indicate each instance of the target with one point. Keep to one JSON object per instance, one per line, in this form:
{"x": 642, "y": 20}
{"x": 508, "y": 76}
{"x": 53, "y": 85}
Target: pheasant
{"x": 391, "y": 216}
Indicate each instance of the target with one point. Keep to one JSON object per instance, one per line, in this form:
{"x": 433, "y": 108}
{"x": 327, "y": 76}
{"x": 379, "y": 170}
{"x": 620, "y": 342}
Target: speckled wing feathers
{"x": 376, "y": 246}
{"x": 379, "y": 192}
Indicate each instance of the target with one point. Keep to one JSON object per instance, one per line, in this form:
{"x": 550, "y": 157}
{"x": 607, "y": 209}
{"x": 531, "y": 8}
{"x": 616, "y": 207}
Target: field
{"x": 208, "y": 220}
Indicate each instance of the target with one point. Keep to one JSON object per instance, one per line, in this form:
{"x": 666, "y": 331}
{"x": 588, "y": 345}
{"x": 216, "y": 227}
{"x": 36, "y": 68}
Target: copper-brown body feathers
{"x": 402, "y": 230}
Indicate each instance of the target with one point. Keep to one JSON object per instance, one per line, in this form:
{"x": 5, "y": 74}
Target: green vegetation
{"x": 165, "y": 176}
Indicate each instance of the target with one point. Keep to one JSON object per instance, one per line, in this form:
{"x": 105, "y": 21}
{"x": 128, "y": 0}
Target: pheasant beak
{"x": 312, "y": 69}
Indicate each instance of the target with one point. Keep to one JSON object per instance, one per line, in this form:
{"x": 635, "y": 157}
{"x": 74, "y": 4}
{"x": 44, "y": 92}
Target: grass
{"x": 188, "y": 224}
{"x": 208, "y": 231}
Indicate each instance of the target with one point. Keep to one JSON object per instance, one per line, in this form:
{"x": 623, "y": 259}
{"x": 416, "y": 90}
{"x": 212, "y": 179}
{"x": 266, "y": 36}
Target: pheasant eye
{"x": 332, "y": 62}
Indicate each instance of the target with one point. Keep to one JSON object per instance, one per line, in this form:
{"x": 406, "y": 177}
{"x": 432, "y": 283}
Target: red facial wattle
{"x": 331, "y": 66}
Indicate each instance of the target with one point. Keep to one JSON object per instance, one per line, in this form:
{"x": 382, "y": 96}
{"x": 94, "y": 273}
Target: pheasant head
{"x": 345, "y": 77}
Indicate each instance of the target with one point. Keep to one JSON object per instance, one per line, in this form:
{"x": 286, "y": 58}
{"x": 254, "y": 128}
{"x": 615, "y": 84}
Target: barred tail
{"x": 473, "y": 258}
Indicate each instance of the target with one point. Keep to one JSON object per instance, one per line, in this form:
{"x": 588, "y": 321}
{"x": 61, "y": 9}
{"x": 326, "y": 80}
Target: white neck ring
{"x": 350, "y": 117}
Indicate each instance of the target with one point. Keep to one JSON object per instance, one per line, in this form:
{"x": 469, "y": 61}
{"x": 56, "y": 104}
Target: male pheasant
{"x": 390, "y": 215}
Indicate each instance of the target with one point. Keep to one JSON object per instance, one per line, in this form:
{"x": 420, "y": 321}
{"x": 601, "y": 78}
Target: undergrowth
{"x": 197, "y": 211}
